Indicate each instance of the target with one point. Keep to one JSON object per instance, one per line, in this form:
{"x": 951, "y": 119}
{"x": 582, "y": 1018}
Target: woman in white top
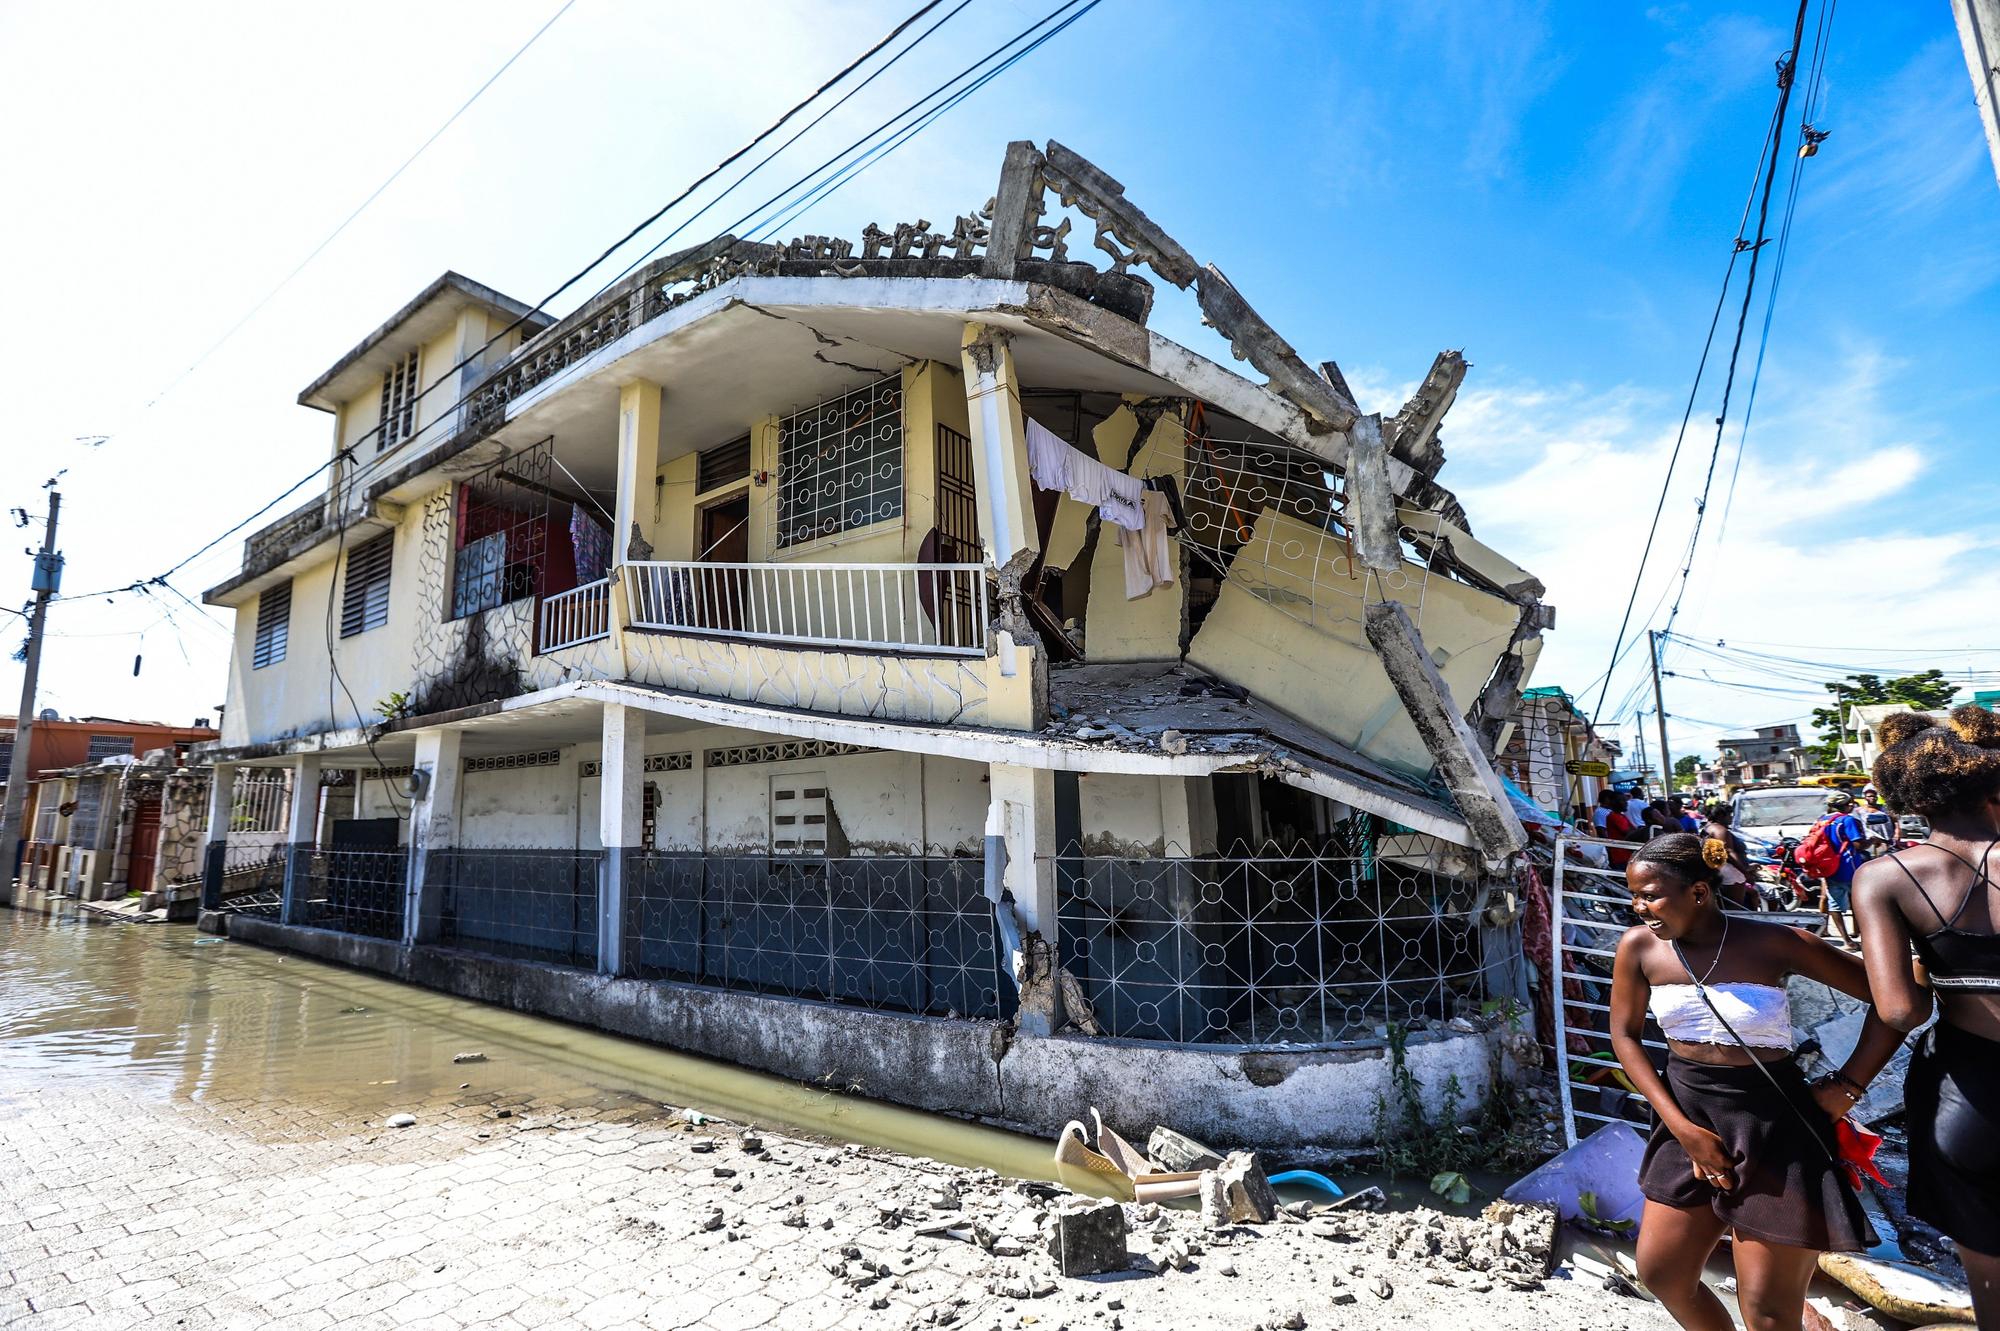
{"x": 1740, "y": 1142}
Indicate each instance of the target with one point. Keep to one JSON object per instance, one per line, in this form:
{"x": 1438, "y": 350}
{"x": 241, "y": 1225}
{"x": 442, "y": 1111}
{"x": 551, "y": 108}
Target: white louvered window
{"x": 399, "y": 404}
{"x": 798, "y": 814}
{"x": 364, "y": 602}
{"x": 274, "y": 615}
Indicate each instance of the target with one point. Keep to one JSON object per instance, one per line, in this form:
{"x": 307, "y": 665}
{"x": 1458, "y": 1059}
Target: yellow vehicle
{"x": 1839, "y": 780}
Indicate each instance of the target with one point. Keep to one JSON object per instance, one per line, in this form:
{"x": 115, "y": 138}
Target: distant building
{"x": 1770, "y": 754}
{"x": 1550, "y": 738}
{"x": 56, "y": 746}
{"x": 1858, "y": 746}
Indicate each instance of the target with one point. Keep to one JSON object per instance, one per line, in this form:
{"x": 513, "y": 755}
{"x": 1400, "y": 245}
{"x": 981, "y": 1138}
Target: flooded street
{"x": 161, "y": 1011}
{"x": 196, "y": 1133}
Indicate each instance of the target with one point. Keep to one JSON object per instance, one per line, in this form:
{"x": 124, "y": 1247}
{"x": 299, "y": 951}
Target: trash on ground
{"x": 1904, "y": 1290}
{"x": 1605, "y": 1165}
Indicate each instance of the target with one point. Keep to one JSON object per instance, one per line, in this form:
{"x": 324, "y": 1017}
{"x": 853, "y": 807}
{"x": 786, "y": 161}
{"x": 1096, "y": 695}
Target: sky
{"x": 1554, "y": 189}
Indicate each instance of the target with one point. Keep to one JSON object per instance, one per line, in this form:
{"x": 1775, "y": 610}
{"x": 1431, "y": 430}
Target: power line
{"x": 1687, "y": 414}
{"x": 720, "y": 166}
{"x": 360, "y": 208}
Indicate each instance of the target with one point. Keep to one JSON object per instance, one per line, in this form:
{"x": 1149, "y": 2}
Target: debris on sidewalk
{"x": 1089, "y": 1240}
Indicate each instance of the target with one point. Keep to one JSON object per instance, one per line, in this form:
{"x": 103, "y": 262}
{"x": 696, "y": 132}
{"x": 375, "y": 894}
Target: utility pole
{"x": 1660, "y": 712}
{"x": 47, "y": 579}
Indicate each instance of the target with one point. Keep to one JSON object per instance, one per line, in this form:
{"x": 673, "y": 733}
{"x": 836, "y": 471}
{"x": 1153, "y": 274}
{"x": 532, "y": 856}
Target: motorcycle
{"x": 1780, "y": 883}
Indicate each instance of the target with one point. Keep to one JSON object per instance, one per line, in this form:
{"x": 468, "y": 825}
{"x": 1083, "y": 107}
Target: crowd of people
{"x": 1857, "y": 831}
{"x": 1742, "y": 1144}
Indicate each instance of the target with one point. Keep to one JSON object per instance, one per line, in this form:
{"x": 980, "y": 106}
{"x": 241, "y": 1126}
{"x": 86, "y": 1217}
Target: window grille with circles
{"x": 840, "y": 464}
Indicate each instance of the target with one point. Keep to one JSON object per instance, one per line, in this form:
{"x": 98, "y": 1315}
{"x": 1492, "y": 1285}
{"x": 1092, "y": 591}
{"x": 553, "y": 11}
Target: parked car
{"x": 1765, "y": 815}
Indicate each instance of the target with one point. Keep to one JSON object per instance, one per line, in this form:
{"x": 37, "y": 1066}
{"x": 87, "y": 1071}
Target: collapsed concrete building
{"x": 890, "y": 661}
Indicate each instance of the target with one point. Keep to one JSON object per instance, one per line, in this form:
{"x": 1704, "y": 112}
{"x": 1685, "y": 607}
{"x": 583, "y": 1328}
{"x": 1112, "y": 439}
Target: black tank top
{"x": 1958, "y": 959}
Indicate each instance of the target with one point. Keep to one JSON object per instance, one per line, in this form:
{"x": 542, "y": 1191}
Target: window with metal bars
{"x": 274, "y": 615}
{"x": 399, "y": 404}
{"x": 108, "y": 746}
{"x": 722, "y": 465}
{"x": 840, "y": 464}
{"x": 364, "y": 603}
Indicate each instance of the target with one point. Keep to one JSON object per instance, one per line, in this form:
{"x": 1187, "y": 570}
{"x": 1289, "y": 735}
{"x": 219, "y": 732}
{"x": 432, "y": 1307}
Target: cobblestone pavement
{"x": 247, "y": 1211}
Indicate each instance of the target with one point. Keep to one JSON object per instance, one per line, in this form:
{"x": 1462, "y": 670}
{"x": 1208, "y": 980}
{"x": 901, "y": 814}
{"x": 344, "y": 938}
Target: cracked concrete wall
{"x": 1269, "y": 1098}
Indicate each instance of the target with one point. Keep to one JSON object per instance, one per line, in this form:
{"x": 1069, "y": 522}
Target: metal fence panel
{"x": 902, "y": 933}
{"x": 1292, "y": 950}
{"x": 1591, "y": 910}
{"x": 540, "y": 905}
{"x": 352, "y": 891}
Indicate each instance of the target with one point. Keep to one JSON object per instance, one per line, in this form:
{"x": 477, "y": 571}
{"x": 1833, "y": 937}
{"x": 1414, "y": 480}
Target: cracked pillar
{"x": 639, "y": 425}
{"x": 1021, "y": 817}
{"x": 215, "y": 855}
{"x": 620, "y": 809}
{"x": 433, "y": 833}
{"x": 1006, "y": 510}
{"x": 999, "y": 450}
{"x": 301, "y": 831}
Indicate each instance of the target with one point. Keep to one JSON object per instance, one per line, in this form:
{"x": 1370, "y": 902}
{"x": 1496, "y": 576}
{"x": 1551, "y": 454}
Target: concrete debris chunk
{"x": 1178, "y": 1154}
{"x": 1370, "y": 1198}
{"x": 1090, "y": 1240}
{"x": 1214, "y": 1200}
{"x": 400, "y": 1121}
{"x": 1250, "y": 1198}
{"x": 470, "y": 1056}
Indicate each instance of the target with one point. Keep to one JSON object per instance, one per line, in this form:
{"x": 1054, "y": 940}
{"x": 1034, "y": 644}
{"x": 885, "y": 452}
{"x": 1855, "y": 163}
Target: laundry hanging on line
{"x": 1150, "y": 556}
{"x": 1054, "y": 465}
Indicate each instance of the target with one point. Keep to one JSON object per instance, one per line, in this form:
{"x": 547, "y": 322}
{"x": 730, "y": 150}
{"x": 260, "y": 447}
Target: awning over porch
{"x": 1163, "y": 720}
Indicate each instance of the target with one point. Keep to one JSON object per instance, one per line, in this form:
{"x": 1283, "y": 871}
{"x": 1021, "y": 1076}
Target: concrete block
{"x": 1248, "y": 1193}
{"x": 1090, "y": 1240}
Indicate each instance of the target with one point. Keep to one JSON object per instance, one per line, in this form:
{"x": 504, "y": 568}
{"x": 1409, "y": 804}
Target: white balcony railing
{"x": 929, "y": 608}
{"x": 581, "y": 614}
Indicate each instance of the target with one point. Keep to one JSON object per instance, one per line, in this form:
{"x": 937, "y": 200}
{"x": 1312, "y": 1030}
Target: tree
{"x": 1928, "y": 692}
{"x": 1684, "y": 770}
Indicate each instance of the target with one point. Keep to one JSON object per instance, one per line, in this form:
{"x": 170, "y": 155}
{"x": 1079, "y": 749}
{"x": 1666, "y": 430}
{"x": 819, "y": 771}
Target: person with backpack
{"x": 1836, "y": 846}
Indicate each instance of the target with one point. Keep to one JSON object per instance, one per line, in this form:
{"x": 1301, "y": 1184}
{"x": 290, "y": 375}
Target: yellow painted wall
{"x": 1148, "y": 629}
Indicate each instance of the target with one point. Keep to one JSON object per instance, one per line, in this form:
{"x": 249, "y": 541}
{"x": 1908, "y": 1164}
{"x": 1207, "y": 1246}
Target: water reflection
{"x": 160, "y": 1010}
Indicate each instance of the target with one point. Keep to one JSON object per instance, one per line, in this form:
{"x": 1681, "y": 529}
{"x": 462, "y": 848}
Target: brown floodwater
{"x": 159, "y": 1010}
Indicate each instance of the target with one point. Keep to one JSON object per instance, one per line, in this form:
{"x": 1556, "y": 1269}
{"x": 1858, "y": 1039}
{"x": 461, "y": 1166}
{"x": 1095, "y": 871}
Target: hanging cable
{"x": 1687, "y": 413}
{"x": 360, "y": 208}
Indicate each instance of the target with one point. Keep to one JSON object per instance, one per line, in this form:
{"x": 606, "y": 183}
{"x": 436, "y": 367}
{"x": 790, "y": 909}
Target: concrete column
{"x": 999, "y": 448}
{"x": 639, "y": 424}
{"x": 620, "y": 807}
{"x": 1021, "y": 811}
{"x": 1021, "y": 831}
{"x": 301, "y": 832}
{"x": 433, "y": 832}
{"x": 221, "y": 808}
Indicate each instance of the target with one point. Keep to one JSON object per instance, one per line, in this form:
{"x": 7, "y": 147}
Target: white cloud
{"x": 1564, "y": 479}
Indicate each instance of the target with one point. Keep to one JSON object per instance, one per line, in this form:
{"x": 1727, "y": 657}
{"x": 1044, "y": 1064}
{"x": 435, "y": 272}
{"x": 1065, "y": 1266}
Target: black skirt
{"x": 1788, "y": 1188}
{"x": 1951, "y": 1106}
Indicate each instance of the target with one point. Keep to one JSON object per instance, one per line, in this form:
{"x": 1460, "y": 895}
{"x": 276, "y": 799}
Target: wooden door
{"x": 725, "y": 539}
{"x": 145, "y": 842}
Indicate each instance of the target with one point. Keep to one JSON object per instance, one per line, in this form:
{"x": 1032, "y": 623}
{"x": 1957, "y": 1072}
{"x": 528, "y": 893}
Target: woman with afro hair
{"x": 1941, "y": 900}
{"x": 1741, "y": 1143}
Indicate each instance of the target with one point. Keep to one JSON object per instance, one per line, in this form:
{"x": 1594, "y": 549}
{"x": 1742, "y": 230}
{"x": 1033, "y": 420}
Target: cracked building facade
{"x": 890, "y": 661}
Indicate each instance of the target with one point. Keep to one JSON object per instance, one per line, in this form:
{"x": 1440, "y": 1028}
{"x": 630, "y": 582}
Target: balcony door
{"x": 724, "y": 538}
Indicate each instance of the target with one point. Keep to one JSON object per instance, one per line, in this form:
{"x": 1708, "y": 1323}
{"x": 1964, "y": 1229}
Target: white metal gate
{"x": 1589, "y": 910}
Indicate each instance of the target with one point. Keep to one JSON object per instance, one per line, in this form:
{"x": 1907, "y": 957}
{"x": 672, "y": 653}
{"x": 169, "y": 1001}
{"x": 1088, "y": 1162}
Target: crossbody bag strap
{"x": 1701, "y": 990}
